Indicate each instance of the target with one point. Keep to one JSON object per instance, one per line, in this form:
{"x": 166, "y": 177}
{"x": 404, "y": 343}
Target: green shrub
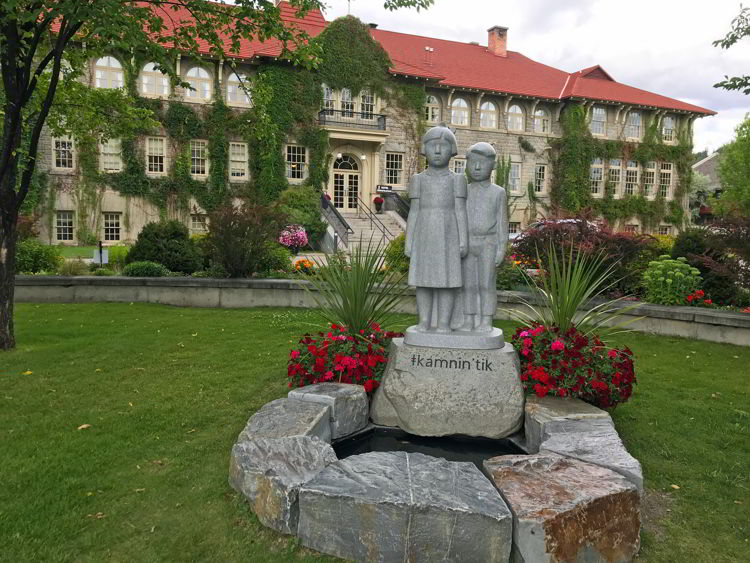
{"x": 395, "y": 258}
{"x": 301, "y": 206}
{"x": 33, "y": 257}
{"x": 167, "y": 243}
{"x": 103, "y": 272}
{"x": 669, "y": 281}
{"x": 145, "y": 269}
{"x": 509, "y": 276}
{"x": 76, "y": 267}
{"x": 118, "y": 256}
{"x": 212, "y": 272}
{"x": 275, "y": 258}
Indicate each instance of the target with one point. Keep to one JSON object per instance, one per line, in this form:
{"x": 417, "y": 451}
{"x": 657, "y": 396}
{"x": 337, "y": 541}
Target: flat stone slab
{"x": 567, "y": 510}
{"x": 595, "y": 441}
{"x": 457, "y": 340}
{"x": 398, "y": 506}
{"x": 269, "y": 471}
{"x": 350, "y": 407}
{"x": 289, "y": 417}
{"x": 541, "y": 410}
{"x": 439, "y": 392}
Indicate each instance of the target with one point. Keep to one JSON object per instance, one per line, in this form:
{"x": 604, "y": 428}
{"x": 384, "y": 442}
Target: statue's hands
{"x": 464, "y": 250}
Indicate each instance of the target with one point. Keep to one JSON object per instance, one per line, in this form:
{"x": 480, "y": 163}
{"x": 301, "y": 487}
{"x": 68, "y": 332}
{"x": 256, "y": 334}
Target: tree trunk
{"x": 8, "y": 234}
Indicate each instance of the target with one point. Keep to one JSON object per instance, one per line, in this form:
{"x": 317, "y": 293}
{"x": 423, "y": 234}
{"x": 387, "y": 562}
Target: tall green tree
{"x": 734, "y": 173}
{"x": 740, "y": 29}
{"x": 44, "y": 45}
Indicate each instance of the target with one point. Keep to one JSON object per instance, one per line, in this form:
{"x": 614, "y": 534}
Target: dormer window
{"x": 108, "y": 73}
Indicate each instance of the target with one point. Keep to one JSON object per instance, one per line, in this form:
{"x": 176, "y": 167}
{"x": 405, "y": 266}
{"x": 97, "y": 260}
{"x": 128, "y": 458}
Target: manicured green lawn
{"x": 166, "y": 391}
{"x": 79, "y": 251}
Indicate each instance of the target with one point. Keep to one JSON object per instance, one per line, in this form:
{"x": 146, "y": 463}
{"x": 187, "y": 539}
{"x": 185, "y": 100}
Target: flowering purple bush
{"x": 293, "y": 236}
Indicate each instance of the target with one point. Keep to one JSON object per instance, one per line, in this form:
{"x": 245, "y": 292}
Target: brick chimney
{"x": 497, "y": 40}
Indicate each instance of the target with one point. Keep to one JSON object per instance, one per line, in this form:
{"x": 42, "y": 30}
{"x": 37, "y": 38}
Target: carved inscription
{"x": 478, "y": 364}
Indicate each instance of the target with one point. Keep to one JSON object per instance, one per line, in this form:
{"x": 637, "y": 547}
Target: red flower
{"x": 612, "y": 353}
{"x": 708, "y": 302}
{"x": 557, "y": 345}
{"x": 370, "y": 385}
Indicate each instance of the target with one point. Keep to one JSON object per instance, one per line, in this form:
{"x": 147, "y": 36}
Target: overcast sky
{"x": 659, "y": 45}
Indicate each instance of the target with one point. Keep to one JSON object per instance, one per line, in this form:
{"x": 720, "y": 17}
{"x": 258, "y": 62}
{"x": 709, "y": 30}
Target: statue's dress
{"x": 435, "y": 254}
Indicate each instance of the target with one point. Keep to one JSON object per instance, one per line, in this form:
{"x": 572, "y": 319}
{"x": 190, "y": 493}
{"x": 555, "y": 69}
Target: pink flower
{"x": 557, "y": 345}
{"x": 612, "y": 353}
{"x": 295, "y": 354}
{"x": 328, "y": 376}
{"x": 527, "y": 342}
{"x": 524, "y": 334}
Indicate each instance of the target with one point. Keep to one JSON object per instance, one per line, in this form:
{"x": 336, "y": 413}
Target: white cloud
{"x": 659, "y": 45}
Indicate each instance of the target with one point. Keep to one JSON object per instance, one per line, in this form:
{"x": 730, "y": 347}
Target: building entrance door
{"x": 346, "y": 183}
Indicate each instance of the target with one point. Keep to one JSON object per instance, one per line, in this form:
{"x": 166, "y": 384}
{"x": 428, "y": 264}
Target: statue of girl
{"x": 436, "y": 231}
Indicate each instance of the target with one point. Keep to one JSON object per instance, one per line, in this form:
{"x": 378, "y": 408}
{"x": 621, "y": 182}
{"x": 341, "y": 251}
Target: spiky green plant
{"x": 566, "y": 291}
{"x": 358, "y": 294}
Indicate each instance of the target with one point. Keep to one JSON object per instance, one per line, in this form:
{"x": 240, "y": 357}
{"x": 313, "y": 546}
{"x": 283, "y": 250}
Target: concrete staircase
{"x": 365, "y": 229}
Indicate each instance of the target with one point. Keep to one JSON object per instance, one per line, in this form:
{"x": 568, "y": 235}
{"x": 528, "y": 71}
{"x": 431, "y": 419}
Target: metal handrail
{"x": 402, "y": 206}
{"x": 374, "y": 220}
{"x": 341, "y": 227}
{"x": 357, "y": 119}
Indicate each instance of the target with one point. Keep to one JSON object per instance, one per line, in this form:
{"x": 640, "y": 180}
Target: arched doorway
{"x": 346, "y": 182}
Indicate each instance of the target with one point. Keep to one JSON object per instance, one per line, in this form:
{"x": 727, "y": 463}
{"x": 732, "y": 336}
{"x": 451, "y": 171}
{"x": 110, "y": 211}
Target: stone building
{"x": 484, "y": 92}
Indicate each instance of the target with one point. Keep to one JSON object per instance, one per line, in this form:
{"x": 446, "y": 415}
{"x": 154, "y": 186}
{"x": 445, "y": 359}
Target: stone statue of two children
{"x": 456, "y": 236}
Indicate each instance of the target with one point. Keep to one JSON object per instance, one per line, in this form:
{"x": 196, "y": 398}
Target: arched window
{"x": 108, "y": 73}
{"x": 667, "y": 128}
{"x": 515, "y": 118}
{"x": 488, "y": 115}
{"x": 154, "y": 83}
{"x": 598, "y": 125}
{"x": 345, "y": 162}
{"x": 347, "y": 103}
{"x": 633, "y": 130}
{"x": 238, "y": 90}
{"x": 201, "y": 84}
{"x": 541, "y": 121}
{"x": 328, "y": 103}
{"x": 460, "y": 112}
{"x": 432, "y": 110}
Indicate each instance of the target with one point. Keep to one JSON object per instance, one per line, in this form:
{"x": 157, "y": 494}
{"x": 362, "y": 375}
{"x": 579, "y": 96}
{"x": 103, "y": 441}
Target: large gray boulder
{"x": 438, "y": 392}
{"x": 539, "y": 411}
{"x": 289, "y": 417}
{"x": 269, "y": 471}
{"x": 595, "y": 441}
{"x": 398, "y": 506}
{"x": 567, "y": 510}
{"x": 350, "y": 407}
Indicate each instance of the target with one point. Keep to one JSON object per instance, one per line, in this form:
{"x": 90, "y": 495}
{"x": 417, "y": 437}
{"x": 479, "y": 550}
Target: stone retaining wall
{"x": 690, "y": 322}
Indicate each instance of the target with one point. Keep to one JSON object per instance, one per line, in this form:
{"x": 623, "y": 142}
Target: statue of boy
{"x": 436, "y": 232}
{"x": 488, "y": 239}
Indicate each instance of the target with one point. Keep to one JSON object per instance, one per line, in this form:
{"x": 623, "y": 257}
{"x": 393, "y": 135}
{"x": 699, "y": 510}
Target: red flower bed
{"x": 573, "y": 365}
{"x": 697, "y": 298}
{"x": 341, "y": 357}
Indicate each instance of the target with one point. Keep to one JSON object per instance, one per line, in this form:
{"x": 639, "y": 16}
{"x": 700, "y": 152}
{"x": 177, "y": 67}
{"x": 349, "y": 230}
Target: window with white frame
{"x": 515, "y": 118}
{"x": 459, "y": 112}
{"x": 238, "y": 90}
{"x": 154, "y": 83}
{"x": 432, "y": 110}
{"x": 631, "y": 177}
{"x": 394, "y": 168}
{"x": 63, "y": 153}
{"x": 514, "y": 227}
{"x": 540, "y": 178}
{"x": 667, "y": 128}
{"x": 488, "y": 115}
{"x": 237, "y": 161}
{"x": 329, "y": 104}
{"x": 514, "y": 178}
{"x": 631, "y": 228}
{"x": 108, "y": 73}
{"x": 596, "y": 176}
{"x": 110, "y": 155}
{"x": 295, "y": 162}
{"x": 156, "y": 155}
{"x": 665, "y": 179}
{"x": 347, "y": 103}
{"x": 64, "y": 225}
{"x": 614, "y": 175}
{"x": 198, "y": 158}
{"x": 633, "y": 127}
{"x": 367, "y": 104}
{"x": 541, "y": 121}
{"x": 598, "y": 125}
{"x": 458, "y": 165}
{"x": 649, "y": 178}
{"x": 111, "y": 226}
{"x": 201, "y": 84}
{"x": 198, "y": 225}
{"x": 665, "y": 230}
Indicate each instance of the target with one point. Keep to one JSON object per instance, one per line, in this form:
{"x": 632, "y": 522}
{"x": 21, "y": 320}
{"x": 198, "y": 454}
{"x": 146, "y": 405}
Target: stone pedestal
{"x": 439, "y": 392}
